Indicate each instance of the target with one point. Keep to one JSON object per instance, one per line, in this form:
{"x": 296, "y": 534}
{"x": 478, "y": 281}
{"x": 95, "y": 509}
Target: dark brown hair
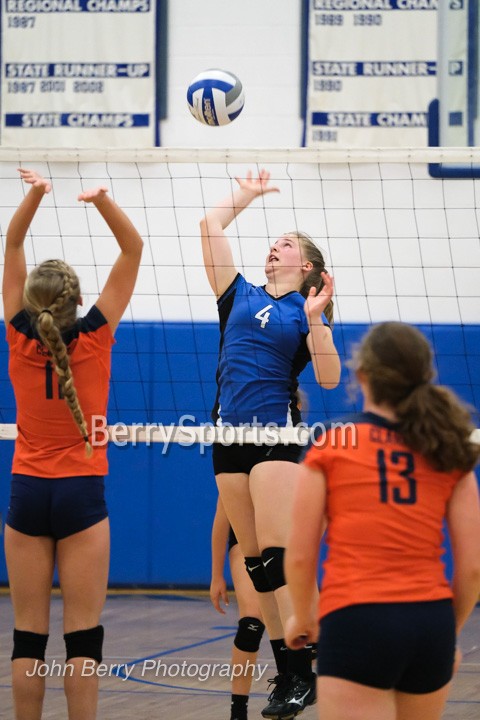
{"x": 397, "y": 361}
{"x": 50, "y": 296}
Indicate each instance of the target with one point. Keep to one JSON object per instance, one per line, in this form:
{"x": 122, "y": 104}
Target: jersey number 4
{"x": 264, "y": 315}
{"x": 404, "y": 493}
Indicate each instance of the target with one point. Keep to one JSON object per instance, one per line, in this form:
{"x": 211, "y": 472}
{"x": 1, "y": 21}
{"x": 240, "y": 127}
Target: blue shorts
{"x": 408, "y": 646}
{"x": 56, "y": 507}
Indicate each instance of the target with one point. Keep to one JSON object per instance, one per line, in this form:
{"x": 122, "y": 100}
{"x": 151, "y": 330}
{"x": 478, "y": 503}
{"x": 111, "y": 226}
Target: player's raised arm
{"x": 217, "y": 253}
{"x": 120, "y": 283}
{"x": 15, "y": 268}
{"x": 325, "y": 359}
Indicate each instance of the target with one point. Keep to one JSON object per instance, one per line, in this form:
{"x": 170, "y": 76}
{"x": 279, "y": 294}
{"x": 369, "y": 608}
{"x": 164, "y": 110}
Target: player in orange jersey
{"x": 384, "y": 484}
{"x": 60, "y": 369}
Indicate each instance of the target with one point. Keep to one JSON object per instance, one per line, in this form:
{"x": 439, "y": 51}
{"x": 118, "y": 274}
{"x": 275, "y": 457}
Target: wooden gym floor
{"x": 167, "y": 642}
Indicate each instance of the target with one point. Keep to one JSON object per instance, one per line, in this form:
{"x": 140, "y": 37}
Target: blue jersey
{"x": 262, "y": 351}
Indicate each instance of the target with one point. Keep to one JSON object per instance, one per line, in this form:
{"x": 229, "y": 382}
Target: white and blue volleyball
{"x": 215, "y": 97}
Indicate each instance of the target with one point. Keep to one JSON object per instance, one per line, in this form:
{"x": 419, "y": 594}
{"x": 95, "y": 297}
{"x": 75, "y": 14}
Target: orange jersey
{"x": 49, "y": 443}
{"x": 385, "y": 511}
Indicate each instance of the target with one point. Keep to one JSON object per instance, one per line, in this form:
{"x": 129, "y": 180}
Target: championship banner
{"x": 371, "y": 72}
{"x": 78, "y": 73}
{"x": 458, "y": 74}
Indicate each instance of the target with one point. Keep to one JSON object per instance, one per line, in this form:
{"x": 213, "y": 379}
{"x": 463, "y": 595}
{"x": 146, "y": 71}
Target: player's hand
{"x": 35, "y": 179}
{"x": 257, "y": 186}
{"x": 298, "y": 634}
{"x": 93, "y": 194}
{"x": 218, "y": 593}
{"x": 315, "y": 304}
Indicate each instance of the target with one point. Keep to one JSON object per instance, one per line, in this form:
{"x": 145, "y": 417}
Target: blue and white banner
{"x": 458, "y": 73}
{"x": 78, "y": 73}
{"x": 371, "y": 72}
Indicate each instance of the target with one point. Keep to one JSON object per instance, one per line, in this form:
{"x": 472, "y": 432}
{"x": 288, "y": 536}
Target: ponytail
{"x": 396, "y": 360}
{"x": 434, "y": 423}
{"x": 313, "y": 254}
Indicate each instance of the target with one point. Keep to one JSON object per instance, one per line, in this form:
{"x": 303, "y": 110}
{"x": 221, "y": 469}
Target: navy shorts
{"x": 238, "y": 458}
{"x": 408, "y": 647}
{"x": 56, "y": 507}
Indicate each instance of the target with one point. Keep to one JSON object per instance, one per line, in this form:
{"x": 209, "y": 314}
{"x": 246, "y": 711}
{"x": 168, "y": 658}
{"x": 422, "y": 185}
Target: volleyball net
{"x": 400, "y": 244}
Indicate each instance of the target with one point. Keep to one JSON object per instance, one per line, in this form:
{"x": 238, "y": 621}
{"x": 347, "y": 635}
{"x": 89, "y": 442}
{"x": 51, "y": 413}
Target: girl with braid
{"x": 60, "y": 368}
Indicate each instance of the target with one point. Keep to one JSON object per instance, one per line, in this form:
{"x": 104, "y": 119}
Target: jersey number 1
{"x": 406, "y": 467}
{"x": 49, "y": 373}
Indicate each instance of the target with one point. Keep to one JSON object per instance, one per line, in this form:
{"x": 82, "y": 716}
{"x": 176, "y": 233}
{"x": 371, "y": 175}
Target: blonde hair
{"x": 50, "y": 297}
{"x": 397, "y": 361}
{"x": 313, "y": 254}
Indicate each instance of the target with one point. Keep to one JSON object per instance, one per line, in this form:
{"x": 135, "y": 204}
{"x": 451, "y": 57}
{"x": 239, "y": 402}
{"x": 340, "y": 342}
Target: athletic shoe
{"x": 276, "y": 699}
{"x": 300, "y": 694}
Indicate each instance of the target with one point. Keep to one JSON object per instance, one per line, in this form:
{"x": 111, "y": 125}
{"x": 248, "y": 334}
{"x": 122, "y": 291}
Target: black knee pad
{"x": 272, "y": 559}
{"x": 257, "y": 574}
{"x": 85, "y": 643}
{"x": 29, "y": 645}
{"x": 249, "y": 634}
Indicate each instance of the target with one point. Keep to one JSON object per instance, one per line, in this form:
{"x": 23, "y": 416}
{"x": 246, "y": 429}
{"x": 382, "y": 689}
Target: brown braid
{"x": 51, "y": 296}
{"x": 310, "y": 252}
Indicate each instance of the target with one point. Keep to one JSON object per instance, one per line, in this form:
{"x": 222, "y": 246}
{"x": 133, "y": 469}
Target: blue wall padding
{"x": 162, "y": 504}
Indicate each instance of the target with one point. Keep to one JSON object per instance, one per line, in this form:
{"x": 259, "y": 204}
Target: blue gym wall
{"x": 162, "y": 504}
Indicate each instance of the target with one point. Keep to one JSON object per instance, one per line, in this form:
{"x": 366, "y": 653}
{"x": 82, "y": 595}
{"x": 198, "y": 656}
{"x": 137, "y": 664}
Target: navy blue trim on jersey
{"x": 224, "y": 304}
{"x": 277, "y": 297}
{"x": 24, "y": 323}
{"x": 319, "y": 431}
{"x": 360, "y": 418}
{"x": 262, "y": 351}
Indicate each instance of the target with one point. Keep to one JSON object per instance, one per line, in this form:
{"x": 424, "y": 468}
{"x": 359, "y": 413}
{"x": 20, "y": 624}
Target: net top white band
{"x": 244, "y": 155}
{"x": 204, "y": 434}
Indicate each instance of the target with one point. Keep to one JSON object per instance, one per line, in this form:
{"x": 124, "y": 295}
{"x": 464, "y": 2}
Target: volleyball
{"x": 215, "y": 97}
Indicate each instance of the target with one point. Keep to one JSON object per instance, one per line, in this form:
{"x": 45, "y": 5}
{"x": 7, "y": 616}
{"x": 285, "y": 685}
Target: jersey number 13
{"x": 403, "y": 488}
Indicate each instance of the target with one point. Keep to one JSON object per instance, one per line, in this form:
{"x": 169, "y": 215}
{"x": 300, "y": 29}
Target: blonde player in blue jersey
{"x": 268, "y": 335}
